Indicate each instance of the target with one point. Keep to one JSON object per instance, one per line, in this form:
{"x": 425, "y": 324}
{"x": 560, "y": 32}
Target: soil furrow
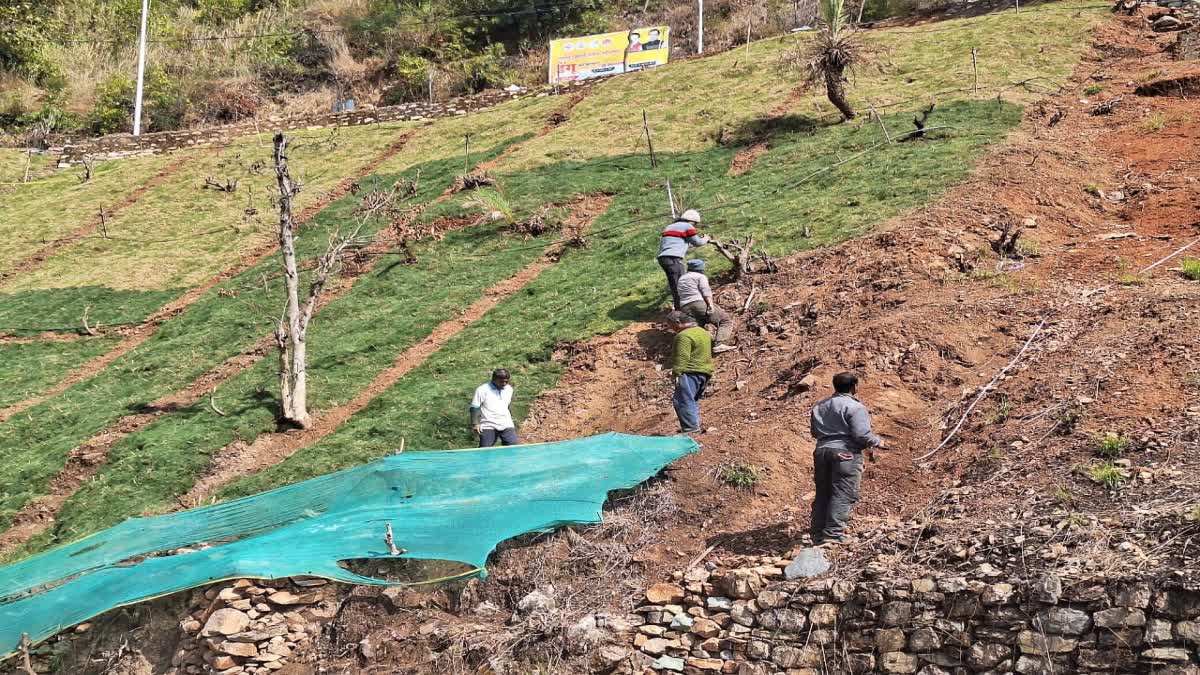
{"x": 133, "y": 337}
{"x": 238, "y": 460}
{"x": 32, "y": 261}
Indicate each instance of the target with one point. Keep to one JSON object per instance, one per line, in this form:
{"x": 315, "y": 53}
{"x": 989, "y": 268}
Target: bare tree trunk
{"x": 291, "y": 332}
{"x": 293, "y": 375}
{"x": 837, "y": 93}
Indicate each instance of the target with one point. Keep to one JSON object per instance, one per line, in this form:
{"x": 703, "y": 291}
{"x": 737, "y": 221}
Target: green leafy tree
{"x": 24, "y": 35}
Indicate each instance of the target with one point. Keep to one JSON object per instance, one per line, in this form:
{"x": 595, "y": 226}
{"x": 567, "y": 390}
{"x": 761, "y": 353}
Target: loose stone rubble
{"x": 252, "y": 626}
{"x": 752, "y": 621}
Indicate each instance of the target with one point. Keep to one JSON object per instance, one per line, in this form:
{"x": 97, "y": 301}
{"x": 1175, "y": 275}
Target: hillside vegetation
{"x": 70, "y": 64}
{"x": 177, "y": 239}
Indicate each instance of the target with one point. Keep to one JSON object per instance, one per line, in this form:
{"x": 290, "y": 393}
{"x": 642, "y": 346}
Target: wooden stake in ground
{"x": 291, "y": 331}
{"x": 649, "y": 142}
{"x": 975, "y": 66}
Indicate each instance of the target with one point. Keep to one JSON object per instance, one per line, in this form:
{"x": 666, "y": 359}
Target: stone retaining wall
{"x": 125, "y": 145}
{"x": 754, "y": 622}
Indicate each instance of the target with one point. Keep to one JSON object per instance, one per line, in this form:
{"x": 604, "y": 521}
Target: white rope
{"x": 984, "y": 392}
{"x": 1197, "y": 241}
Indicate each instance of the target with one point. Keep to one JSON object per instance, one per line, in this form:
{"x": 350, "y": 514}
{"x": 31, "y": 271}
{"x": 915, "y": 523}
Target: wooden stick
{"x": 1181, "y": 250}
{"x": 878, "y": 118}
{"x": 750, "y": 299}
{"x": 975, "y": 66}
{"x": 671, "y": 199}
{"x": 649, "y": 142}
{"x": 984, "y": 392}
{"x": 25, "y": 664}
{"x": 466, "y": 154}
{"x": 697, "y": 560}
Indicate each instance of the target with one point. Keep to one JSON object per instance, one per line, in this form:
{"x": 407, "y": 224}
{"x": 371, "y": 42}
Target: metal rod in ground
{"x": 649, "y": 142}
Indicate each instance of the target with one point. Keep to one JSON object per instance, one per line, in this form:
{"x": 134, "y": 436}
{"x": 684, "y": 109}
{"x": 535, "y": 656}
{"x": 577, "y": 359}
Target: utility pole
{"x": 700, "y": 29}
{"x": 141, "y": 71}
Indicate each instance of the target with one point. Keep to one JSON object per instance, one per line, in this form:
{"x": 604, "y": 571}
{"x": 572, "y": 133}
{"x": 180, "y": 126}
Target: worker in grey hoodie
{"x": 673, "y": 245}
{"x": 842, "y": 427}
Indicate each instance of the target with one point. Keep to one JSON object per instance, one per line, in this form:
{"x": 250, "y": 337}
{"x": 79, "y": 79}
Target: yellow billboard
{"x": 608, "y": 53}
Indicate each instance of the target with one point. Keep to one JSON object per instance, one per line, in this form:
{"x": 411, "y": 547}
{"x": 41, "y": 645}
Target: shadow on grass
{"x": 764, "y": 128}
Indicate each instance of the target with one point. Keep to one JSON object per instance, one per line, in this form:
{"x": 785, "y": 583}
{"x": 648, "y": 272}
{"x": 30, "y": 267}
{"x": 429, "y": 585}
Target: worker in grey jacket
{"x": 673, "y": 245}
{"x": 696, "y": 299}
{"x": 842, "y": 427}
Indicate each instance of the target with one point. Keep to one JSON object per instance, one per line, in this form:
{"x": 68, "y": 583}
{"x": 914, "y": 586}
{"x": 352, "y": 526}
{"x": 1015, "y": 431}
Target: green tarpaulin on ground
{"x": 445, "y": 505}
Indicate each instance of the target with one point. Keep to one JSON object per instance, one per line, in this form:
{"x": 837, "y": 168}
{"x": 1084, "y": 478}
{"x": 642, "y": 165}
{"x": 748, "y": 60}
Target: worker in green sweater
{"x": 692, "y": 366}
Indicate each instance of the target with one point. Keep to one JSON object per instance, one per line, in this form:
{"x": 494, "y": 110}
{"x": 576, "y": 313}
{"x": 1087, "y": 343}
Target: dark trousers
{"x": 837, "y": 482}
{"x": 673, "y": 267}
{"x": 487, "y": 437}
{"x": 689, "y": 387}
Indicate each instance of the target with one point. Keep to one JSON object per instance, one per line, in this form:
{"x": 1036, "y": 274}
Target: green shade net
{"x": 450, "y": 505}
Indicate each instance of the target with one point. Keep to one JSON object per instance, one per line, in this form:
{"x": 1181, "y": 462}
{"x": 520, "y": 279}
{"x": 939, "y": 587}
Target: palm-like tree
{"x": 835, "y": 51}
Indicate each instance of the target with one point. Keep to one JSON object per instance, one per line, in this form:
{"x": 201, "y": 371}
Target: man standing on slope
{"x": 673, "y": 246}
{"x": 490, "y": 418}
{"x": 842, "y": 427}
{"x": 692, "y": 366}
{"x": 697, "y": 298}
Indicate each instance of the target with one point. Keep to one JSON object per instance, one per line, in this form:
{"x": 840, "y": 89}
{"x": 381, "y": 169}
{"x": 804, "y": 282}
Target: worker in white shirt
{"x": 490, "y": 418}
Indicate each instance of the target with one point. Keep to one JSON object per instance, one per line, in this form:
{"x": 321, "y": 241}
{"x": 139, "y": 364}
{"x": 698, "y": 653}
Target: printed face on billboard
{"x": 608, "y": 54}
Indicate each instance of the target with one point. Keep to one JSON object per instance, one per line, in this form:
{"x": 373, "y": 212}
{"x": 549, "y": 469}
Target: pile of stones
{"x": 251, "y": 627}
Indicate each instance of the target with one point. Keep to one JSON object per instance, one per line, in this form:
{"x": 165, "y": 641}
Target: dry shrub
{"x": 225, "y": 101}
{"x": 591, "y": 571}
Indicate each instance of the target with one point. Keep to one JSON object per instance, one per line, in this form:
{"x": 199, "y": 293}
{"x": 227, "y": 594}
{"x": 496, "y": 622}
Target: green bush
{"x": 411, "y": 77}
{"x": 1110, "y": 445}
{"x": 164, "y": 103}
{"x": 217, "y": 12}
{"x": 484, "y": 71}
{"x": 24, "y": 35}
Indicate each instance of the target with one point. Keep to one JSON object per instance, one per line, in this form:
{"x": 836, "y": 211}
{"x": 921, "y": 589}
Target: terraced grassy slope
{"x": 702, "y": 112}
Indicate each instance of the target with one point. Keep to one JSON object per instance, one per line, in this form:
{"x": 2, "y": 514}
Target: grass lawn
{"x": 219, "y": 325}
{"x": 156, "y": 245}
{"x": 26, "y": 369}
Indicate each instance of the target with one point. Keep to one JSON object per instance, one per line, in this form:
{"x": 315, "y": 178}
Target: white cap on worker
{"x": 691, "y": 215}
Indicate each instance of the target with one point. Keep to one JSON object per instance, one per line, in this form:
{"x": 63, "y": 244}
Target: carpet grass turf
{"x": 157, "y": 245}
{"x": 221, "y": 324}
{"x": 703, "y": 111}
{"x": 53, "y": 206}
{"x": 26, "y": 369}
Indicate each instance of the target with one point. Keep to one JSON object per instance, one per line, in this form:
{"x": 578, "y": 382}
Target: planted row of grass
{"x": 53, "y": 206}
{"x": 601, "y": 288}
{"x": 29, "y": 368}
{"x": 225, "y": 321}
{"x": 180, "y": 233}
